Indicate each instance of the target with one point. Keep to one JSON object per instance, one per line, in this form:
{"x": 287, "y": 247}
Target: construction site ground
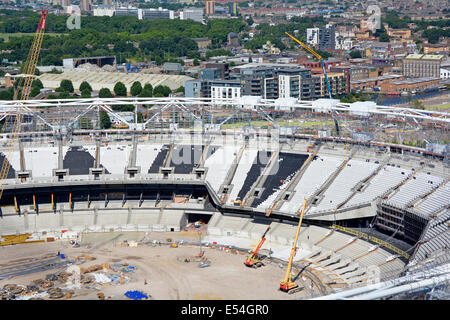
{"x": 163, "y": 267}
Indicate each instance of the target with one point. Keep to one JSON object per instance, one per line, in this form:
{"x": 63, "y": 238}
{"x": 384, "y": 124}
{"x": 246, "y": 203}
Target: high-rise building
{"x": 85, "y": 5}
{"x": 312, "y": 36}
{"x": 232, "y": 8}
{"x": 327, "y": 37}
{"x": 209, "y": 8}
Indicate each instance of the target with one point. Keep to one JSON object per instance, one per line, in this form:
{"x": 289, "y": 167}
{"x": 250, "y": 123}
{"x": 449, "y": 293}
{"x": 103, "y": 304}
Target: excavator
{"x": 254, "y": 260}
{"x": 287, "y": 285}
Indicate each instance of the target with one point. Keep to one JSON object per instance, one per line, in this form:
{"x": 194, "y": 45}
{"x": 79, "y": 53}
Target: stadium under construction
{"x": 351, "y": 201}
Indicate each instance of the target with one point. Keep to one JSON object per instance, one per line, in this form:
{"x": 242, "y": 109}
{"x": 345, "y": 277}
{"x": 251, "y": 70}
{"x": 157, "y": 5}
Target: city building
{"x": 223, "y": 67}
{"x": 209, "y": 8}
{"x": 202, "y": 43}
{"x": 210, "y": 74}
{"x": 195, "y": 14}
{"x": 316, "y": 66}
{"x": 153, "y": 14}
{"x": 327, "y": 37}
{"x": 374, "y": 84}
{"x": 72, "y": 63}
{"x": 232, "y": 8}
{"x": 104, "y": 11}
{"x": 430, "y": 48}
{"x": 172, "y": 67}
{"x": 128, "y": 12}
{"x": 445, "y": 72}
{"x": 225, "y": 89}
{"x": 414, "y": 84}
{"x": 197, "y": 89}
{"x": 399, "y": 33}
{"x": 312, "y": 36}
{"x": 85, "y": 5}
{"x": 422, "y": 65}
{"x": 233, "y": 39}
{"x": 336, "y": 81}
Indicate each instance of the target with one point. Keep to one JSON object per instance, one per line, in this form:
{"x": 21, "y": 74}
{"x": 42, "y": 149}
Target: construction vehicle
{"x": 287, "y": 285}
{"x": 254, "y": 260}
{"x": 319, "y": 57}
{"x": 174, "y": 245}
{"x": 26, "y": 79}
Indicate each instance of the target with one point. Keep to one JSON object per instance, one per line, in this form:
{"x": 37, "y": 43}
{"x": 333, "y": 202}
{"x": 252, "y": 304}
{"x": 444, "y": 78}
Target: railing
{"x": 367, "y": 237}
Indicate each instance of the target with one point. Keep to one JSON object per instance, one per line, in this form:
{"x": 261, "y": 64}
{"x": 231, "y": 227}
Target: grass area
{"x": 281, "y": 123}
{"x": 6, "y": 36}
{"x": 439, "y": 107}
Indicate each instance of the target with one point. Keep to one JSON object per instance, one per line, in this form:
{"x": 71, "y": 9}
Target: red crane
{"x": 253, "y": 259}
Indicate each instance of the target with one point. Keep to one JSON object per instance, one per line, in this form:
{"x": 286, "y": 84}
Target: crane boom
{"x": 287, "y": 284}
{"x": 319, "y": 57}
{"x": 28, "y": 76}
{"x": 253, "y": 259}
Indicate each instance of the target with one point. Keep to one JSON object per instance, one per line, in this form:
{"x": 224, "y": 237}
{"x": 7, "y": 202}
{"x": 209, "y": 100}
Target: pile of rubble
{"x": 61, "y": 285}
{"x": 38, "y": 289}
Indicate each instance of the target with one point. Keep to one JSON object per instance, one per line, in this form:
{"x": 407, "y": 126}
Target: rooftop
{"x": 425, "y": 56}
{"x": 99, "y": 80}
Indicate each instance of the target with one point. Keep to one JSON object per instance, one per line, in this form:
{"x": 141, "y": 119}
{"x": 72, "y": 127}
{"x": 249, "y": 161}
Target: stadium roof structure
{"x": 265, "y": 107}
{"x": 99, "y": 80}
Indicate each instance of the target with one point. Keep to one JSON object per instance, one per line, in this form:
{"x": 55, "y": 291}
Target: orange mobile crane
{"x": 27, "y": 80}
{"x": 287, "y": 285}
{"x": 254, "y": 260}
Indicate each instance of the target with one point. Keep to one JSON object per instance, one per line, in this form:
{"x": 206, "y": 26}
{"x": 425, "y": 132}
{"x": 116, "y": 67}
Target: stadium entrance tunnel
{"x": 194, "y": 217}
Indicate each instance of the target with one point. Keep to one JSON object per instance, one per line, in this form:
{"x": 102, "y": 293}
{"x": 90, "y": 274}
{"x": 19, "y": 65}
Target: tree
{"x": 147, "y": 91}
{"x": 35, "y": 91}
{"x": 105, "y": 121}
{"x": 140, "y": 117}
{"x": 66, "y": 86}
{"x": 37, "y": 83}
{"x": 136, "y": 88}
{"x": 85, "y": 93}
{"x": 384, "y": 37}
{"x": 161, "y": 91}
{"x": 85, "y": 86}
{"x": 355, "y": 54}
{"x": 105, "y": 93}
{"x": 180, "y": 89}
{"x": 120, "y": 89}
{"x": 196, "y": 62}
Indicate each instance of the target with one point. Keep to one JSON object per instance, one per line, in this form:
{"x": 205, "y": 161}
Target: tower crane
{"x": 319, "y": 57}
{"x": 254, "y": 260}
{"x": 287, "y": 285}
{"x": 27, "y": 80}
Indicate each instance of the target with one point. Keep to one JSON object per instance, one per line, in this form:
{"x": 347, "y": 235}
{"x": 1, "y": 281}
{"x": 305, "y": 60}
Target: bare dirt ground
{"x": 162, "y": 267}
